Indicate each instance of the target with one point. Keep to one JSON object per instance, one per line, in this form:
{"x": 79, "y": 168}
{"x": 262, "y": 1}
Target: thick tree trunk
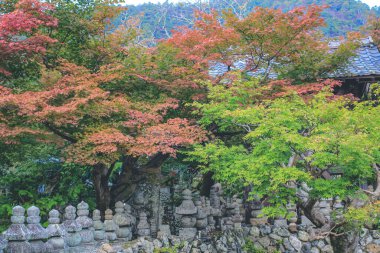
{"x": 101, "y": 175}
{"x": 207, "y": 183}
{"x": 132, "y": 174}
{"x": 347, "y": 243}
{"x": 126, "y": 181}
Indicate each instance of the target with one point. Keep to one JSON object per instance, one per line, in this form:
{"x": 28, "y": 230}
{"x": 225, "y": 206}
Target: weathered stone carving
{"x": 143, "y": 228}
{"x": 55, "y": 231}
{"x": 87, "y": 232}
{"x": 298, "y": 236}
{"x": 201, "y": 216}
{"x": 99, "y": 232}
{"x": 17, "y": 234}
{"x": 237, "y": 218}
{"x": 215, "y": 193}
{"x": 123, "y": 222}
{"x": 72, "y": 227}
{"x": 36, "y": 231}
{"x": 187, "y": 211}
{"x": 110, "y": 226}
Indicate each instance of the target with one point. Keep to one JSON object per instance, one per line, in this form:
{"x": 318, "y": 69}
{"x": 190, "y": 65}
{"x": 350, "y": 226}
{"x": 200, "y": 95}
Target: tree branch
{"x": 60, "y": 133}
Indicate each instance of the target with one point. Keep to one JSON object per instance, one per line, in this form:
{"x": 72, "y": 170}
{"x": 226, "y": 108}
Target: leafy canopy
{"x": 285, "y": 141}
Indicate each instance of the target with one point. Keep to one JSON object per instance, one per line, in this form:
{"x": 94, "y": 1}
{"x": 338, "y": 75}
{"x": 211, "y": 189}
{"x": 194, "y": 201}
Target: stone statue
{"x": 237, "y": 218}
{"x": 201, "y": 216}
{"x": 72, "y": 227}
{"x": 128, "y": 214}
{"x": 17, "y": 234}
{"x": 55, "y": 231}
{"x": 110, "y": 226}
{"x": 87, "y": 232}
{"x": 99, "y": 233}
{"x": 187, "y": 211}
{"x": 124, "y": 230}
{"x": 37, "y": 232}
{"x": 143, "y": 228}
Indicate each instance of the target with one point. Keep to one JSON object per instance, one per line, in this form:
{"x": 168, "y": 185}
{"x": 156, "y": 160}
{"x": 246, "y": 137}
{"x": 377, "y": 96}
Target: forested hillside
{"x": 160, "y": 19}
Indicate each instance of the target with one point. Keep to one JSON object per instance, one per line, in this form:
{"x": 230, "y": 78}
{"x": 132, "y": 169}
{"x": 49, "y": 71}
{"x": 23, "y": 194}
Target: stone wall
{"x": 194, "y": 224}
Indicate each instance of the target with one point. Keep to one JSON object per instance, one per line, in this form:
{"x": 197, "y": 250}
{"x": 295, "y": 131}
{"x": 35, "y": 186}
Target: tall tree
{"x": 120, "y": 114}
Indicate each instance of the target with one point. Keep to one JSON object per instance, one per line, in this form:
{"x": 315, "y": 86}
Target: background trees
{"x": 159, "y": 20}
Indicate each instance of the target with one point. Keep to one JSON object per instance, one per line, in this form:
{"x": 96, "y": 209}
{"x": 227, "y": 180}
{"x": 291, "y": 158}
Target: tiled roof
{"x": 365, "y": 63}
{"x": 218, "y": 69}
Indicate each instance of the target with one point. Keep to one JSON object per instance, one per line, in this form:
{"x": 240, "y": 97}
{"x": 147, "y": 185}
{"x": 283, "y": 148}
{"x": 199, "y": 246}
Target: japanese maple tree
{"x": 20, "y": 35}
{"x": 97, "y": 127}
{"x": 119, "y": 113}
{"x": 266, "y": 40}
{"x": 287, "y": 141}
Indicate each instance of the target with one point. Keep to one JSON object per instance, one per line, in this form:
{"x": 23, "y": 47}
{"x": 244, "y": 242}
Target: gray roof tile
{"x": 365, "y": 63}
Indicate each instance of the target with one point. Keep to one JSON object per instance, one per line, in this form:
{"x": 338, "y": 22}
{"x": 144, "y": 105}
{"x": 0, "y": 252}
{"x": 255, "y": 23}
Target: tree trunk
{"x": 347, "y": 243}
{"x": 101, "y": 175}
{"x": 126, "y": 181}
{"x": 132, "y": 174}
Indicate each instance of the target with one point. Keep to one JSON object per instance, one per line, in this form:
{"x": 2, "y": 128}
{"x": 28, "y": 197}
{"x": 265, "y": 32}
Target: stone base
{"x": 187, "y": 234}
{"x": 73, "y": 239}
{"x": 100, "y": 235}
{"x": 38, "y": 246}
{"x": 124, "y": 233}
{"x": 56, "y": 243}
{"x": 72, "y": 250}
{"x": 87, "y": 235}
{"x": 18, "y": 247}
{"x": 258, "y": 221}
{"x": 111, "y": 236}
{"x": 164, "y": 230}
{"x": 143, "y": 232}
{"x": 201, "y": 224}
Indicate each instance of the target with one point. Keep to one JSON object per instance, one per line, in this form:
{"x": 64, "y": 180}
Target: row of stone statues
{"x": 76, "y": 230}
{"x": 194, "y": 219}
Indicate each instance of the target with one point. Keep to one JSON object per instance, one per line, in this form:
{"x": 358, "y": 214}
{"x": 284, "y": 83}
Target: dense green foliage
{"x": 287, "y": 140}
{"x": 159, "y": 19}
{"x": 33, "y": 175}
